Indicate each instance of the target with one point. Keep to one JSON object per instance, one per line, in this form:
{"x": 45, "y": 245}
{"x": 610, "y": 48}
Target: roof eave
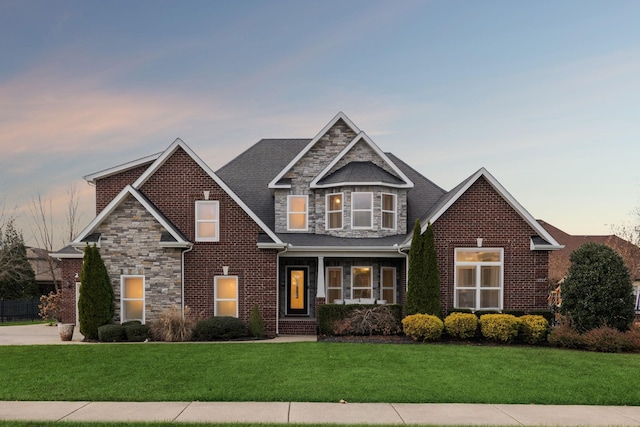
{"x": 377, "y": 183}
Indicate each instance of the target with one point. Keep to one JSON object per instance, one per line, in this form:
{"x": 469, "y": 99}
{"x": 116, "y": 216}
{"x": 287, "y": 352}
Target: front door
{"x": 297, "y": 289}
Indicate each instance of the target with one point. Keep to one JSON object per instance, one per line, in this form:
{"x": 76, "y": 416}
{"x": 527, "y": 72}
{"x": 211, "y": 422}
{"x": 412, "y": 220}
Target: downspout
{"x": 406, "y": 267}
{"x": 182, "y": 278}
{"x": 286, "y": 248}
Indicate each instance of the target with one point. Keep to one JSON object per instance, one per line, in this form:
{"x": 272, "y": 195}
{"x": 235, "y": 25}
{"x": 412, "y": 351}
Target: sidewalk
{"x": 321, "y": 413}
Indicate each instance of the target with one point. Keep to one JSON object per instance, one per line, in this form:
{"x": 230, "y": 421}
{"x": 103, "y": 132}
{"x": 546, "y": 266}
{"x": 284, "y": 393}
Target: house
{"x": 290, "y": 224}
{"x": 559, "y": 261}
{"x": 40, "y": 263}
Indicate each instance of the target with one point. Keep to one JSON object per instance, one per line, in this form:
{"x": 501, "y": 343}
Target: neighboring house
{"x": 559, "y": 261}
{"x": 39, "y": 260}
{"x": 290, "y": 224}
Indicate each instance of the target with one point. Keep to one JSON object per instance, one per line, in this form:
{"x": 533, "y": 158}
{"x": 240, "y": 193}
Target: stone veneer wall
{"x": 130, "y": 245}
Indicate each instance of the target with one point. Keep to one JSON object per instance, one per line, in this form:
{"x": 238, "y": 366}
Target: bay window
{"x": 388, "y": 211}
{"x": 361, "y": 210}
{"x": 334, "y": 211}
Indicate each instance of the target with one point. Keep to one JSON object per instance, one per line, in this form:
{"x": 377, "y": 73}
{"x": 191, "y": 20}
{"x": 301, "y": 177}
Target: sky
{"x": 545, "y": 94}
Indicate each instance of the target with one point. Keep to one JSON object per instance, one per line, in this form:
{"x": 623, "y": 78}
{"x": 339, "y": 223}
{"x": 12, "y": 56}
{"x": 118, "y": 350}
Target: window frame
{"x": 290, "y": 212}
{"x": 353, "y": 276}
{"x": 215, "y": 294}
{"x": 328, "y": 211}
{"x": 328, "y": 288}
{"x": 383, "y": 287}
{"x": 354, "y": 210}
{"x": 215, "y": 221}
{"x": 478, "y": 288}
{"x": 124, "y": 300}
{"x": 393, "y": 212}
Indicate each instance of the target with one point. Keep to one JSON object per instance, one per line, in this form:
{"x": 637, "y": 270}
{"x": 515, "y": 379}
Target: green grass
{"x": 161, "y": 424}
{"x": 318, "y": 372}
{"x": 25, "y": 322}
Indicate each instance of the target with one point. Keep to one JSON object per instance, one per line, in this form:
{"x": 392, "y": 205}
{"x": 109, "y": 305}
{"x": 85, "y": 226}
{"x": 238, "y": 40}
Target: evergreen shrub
{"x": 256, "y": 324}
{"x": 112, "y": 333}
{"x": 533, "y": 328}
{"x": 461, "y": 325}
{"x": 136, "y": 332}
{"x": 219, "y": 328}
{"x": 423, "y": 327}
{"x": 499, "y": 327}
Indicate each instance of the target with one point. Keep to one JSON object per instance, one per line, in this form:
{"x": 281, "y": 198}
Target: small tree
{"x": 432, "y": 274}
{"x": 416, "y": 277}
{"x": 598, "y": 291}
{"x": 256, "y": 324}
{"x": 96, "y": 302}
{"x": 17, "y": 279}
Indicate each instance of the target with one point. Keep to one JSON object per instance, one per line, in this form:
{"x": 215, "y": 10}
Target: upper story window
{"x": 334, "y": 211}
{"x": 297, "y": 208}
{"x": 389, "y": 211}
{"x": 207, "y": 221}
{"x": 478, "y": 278}
{"x": 361, "y": 210}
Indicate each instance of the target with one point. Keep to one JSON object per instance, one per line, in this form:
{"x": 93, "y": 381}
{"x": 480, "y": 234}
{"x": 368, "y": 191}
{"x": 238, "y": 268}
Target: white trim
{"x": 92, "y": 178}
{"x": 215, "y": 221}
{"x": 362, "y": 137}
{"x": 123, "y": 299}
{"x": 327, "y": 204}
{"x": 394, "y": 211}
{"x": 477, "y": 287}
{"x": 394, "y": 287}
{"x": 129, "y": 190}
{"x": 178, "y": 143}
{"x": 290, "y": 212}
{"x": 353, "y": 275}
{"x": 215, "y": 294}
{"x": 340, "y": 115}
{"x": 353, "y": 210}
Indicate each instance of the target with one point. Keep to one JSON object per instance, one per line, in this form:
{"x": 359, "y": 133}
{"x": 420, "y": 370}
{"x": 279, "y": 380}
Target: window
{"x": 478, "y": 279}
{"x": 207, "y": 221}
{"x": 225, "y": 296}
{"x": 388, "y": 284}
{"x": 334, "y": 211}
{"x": 297, "y": 212}
{"x": 636, "y": 289}
{"x": 361, "y": 282}
{"x": 132, "y": 298}
{"x": 361, "y": 210}
{"x": 334, "y": 284}
{"x": 389, "y": 211}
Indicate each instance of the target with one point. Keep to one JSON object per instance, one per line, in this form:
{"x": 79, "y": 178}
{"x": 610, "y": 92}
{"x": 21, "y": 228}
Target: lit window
{"x": 297, "y": 212}
{"x": 207, "y": 221}
{"x": 226, "y": 296}
{"x": 361, "y": 210}
{"x": 132, "y": 298}
{"x": 388, "y": 284}
{"x": 478, "y": 279}
{"x": 334, "y": 284}
{"x": 389, "y": 211}
{"x": 334, "y": 211}
{"x": 361, "y": 282}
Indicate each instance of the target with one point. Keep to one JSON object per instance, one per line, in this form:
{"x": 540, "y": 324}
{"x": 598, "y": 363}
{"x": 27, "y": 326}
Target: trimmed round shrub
{"x": 111, "y": 333}
{"x": 423, "y": 327}
{"x": 533, "y": 328}
{"x": 219, "y": 328}
{"x": 499, "y": 327}
{"x": 136, "y": 332}
{"x": 461, "y": 325}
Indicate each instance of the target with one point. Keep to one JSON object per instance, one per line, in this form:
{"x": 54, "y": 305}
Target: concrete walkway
{"x": 297, "y": 412}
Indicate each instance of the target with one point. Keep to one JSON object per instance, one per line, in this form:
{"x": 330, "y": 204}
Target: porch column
{"x": 320, "y": 293}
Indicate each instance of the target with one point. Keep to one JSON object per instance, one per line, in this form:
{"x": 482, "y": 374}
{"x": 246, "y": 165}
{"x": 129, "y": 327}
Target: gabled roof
{"x": 275, "y": 182}
{"x": 178, "y": 143}
{"x": 92, "y": 178}
{"x": 175, "y": 238}
{"x": 404, "y": 182}
{"x": 547, "y": 242}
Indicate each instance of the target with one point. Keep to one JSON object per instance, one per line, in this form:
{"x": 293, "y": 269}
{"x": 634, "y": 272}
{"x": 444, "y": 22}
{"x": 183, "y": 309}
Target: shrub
{"x": 136, "y": 332}
{"x": 499, "y": 327}
{"x": 597, "y": 291}
{"x": 566, "y": 336}
{"x": 96, "y": 305}
{"x": 111, "y": 333}
{"x": 368, "y": 320}
{"x": 423, "y": 327}
{"x": 606, "y": 340}
{"x": 171, "y": 326}
{"x": 461, "y": 325}
{"x": 331, "y": 314}
{"x": 219, "y": 328}
{"x": 50, "y": 307}
{"x": 533, "y": 329}
{"x": 633, "y": 338}
{"x": 256, "y": 324}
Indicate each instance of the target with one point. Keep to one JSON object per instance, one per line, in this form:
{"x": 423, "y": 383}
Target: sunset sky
{"x": 544, "y": 94}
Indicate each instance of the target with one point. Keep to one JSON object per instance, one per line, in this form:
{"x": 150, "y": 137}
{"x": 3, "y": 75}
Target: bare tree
{"x": 42, "y": 214}
{"x": 72, "y": 217}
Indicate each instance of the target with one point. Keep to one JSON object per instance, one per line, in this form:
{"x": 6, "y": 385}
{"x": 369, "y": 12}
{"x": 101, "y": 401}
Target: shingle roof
{"x": 360, "y": 172}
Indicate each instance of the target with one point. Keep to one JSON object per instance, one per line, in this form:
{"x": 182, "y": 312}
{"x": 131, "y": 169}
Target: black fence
{"x": 19, "y": 309}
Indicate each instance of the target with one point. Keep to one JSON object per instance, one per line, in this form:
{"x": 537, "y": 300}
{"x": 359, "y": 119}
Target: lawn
{"x": 317, "y": 372}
